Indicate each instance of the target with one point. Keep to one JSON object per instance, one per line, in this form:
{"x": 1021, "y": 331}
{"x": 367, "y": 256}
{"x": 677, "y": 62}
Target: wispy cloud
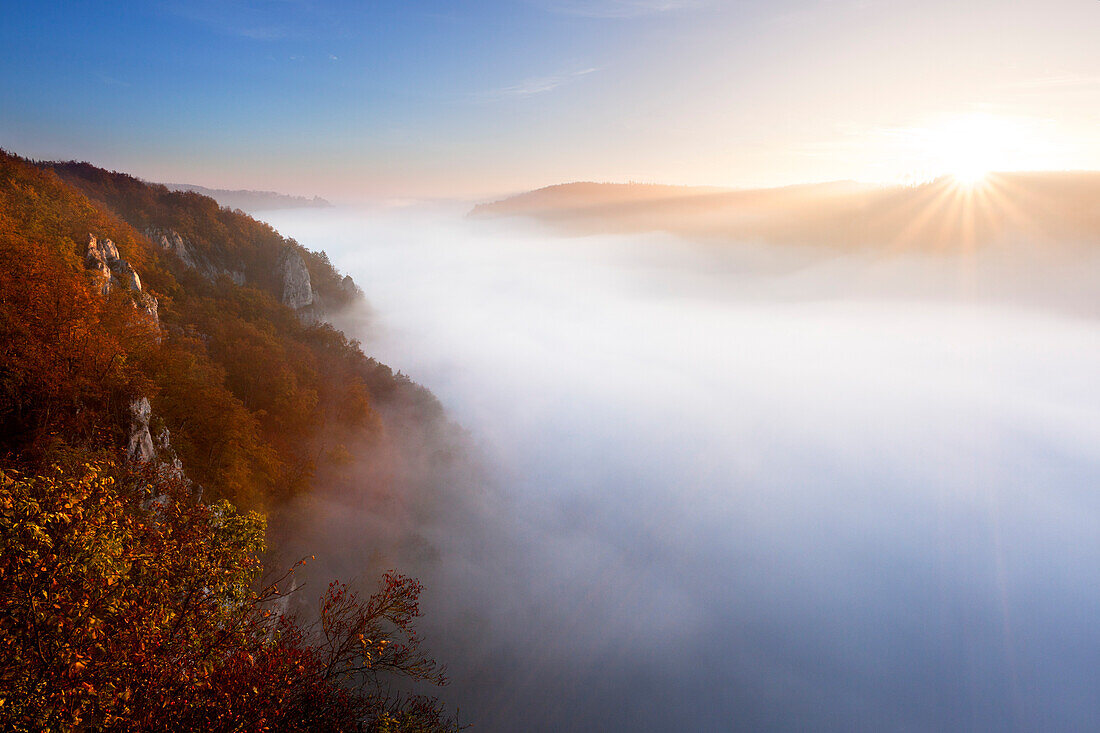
{"x": 619, "y": 8}
{"x": 532, "y": 86}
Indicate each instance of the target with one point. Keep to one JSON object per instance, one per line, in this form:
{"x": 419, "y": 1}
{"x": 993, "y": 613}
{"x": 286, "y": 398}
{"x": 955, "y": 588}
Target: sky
{"x": 478, "y": 99}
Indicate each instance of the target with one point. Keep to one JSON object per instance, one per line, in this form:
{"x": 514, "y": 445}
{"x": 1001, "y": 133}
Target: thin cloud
{"x": 532, "y": 86}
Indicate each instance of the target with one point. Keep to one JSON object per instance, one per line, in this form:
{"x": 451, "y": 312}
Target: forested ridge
{"x": 133, "y": 592}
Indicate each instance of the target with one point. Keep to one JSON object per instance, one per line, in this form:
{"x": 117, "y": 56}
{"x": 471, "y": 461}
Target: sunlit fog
{"x": 737, "y": 485}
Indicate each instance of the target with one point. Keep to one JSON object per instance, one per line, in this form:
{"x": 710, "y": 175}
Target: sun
{"x": 968, "y": 150}
{"x": 969, "y": 176}
{"x": 969, "y": 147}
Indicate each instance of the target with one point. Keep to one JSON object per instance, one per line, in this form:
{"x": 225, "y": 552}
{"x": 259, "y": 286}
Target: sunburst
{"x": 969, "y": 147}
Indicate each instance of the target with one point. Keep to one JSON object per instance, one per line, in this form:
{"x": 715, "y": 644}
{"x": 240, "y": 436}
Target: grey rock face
{"x": 164, "y": 439}
{"x": 96, "y": 259}
{"x": 109, "y": 270}
{"x": 171, "y": 241}
{"x": 102, "y": 258}
{"x": 126, "y": 274}
{"x": 291, "y": 271}
{"x": 101, "y": 251}
{"x": 349, "y": 288}
{"x": 171, "y": 466}
{"x": 140, "y": 447}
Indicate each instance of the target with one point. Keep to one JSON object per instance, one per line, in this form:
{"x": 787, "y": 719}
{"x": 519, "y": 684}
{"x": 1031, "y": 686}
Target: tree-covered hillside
{"x": 166, "y": 379}
{"x": 253, "y": 395}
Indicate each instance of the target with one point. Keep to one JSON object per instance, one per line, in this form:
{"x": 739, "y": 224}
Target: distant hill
{"x": 583, "y": 195}
{"x": 252, "y": 200}
{"x": 940, "y": 215}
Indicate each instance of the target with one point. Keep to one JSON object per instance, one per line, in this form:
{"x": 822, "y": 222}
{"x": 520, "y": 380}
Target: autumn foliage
{"x": 126, "y": 605}
{"x": 252, "y": 395}
{"x": 133, "y": 595}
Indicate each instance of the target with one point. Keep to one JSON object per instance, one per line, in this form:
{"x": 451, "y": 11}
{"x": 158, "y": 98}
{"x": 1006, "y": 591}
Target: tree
{"x": 126, "y": 605}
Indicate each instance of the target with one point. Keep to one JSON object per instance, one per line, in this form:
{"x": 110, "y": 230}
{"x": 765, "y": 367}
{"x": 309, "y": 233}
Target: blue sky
{"x": 471, "y": 99}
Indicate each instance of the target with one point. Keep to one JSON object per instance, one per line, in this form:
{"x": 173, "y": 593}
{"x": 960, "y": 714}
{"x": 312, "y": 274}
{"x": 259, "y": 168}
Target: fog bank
{"x": 739, "y": 487}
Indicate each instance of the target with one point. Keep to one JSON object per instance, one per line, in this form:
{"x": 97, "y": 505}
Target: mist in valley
{"x": 734, "y": 485}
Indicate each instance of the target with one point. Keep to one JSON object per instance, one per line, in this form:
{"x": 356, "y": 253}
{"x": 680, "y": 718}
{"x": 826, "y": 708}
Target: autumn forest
{"x": 151, "y": 424}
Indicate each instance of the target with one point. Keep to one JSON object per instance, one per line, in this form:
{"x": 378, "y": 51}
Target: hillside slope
{"x": 258, "y": 395}
{"x": 164, "y": 369}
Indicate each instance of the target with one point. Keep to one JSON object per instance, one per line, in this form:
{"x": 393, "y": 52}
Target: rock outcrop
{"x": 97, "y": 258}
{"x": 350, "y": 290}
{"x": 171, "y": 241}
{"x": 143, "y": 447}
{"x": 292, "y": 282}
{"x": 110, "y": 270}
{"x": 168, "y": 462}
{"x": 140, "y": 446}
{"x": 291, "y": 271}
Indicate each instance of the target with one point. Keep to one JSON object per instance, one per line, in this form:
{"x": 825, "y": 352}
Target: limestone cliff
{"x": 292, "y": 273}
{"x": 293, "y": 285}
{"x": 171, "y": 241}
{"x": 110, "y": 271}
